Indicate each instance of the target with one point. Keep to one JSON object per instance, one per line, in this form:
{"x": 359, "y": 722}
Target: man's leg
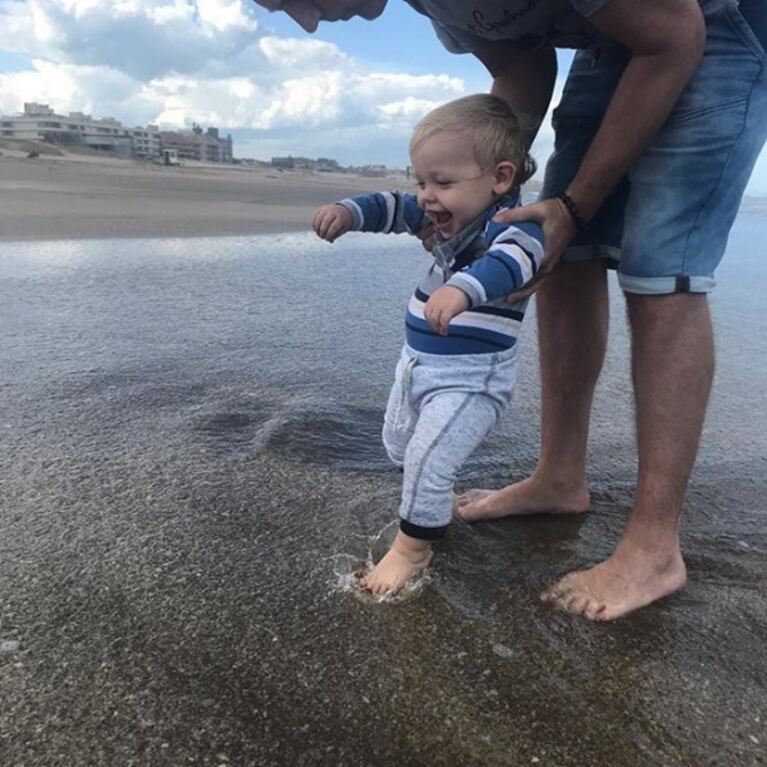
{"x": 572, "y": 311}
{"x": 673, "y": 365}
{"x": 685, "y": 192}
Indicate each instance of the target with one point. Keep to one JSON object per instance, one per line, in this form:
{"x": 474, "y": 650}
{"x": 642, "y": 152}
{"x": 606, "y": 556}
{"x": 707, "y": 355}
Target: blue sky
{"x": 352, "y": 91}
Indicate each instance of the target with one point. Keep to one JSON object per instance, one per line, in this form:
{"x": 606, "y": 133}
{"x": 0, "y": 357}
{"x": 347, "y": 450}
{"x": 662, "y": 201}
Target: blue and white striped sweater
{"x": 487, "y": 260}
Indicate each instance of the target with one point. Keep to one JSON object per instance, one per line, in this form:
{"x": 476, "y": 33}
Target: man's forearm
{"x": 524, "y": 79}
{"x": 641, "y": 103}
{"x": 646, "y": 93}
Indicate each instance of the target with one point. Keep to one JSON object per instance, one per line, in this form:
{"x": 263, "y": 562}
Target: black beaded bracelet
{"x": 572, "y": 209}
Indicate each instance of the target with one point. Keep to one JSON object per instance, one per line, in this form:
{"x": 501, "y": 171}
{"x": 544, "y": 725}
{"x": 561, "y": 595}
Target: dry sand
{"x": 72, "y": 196}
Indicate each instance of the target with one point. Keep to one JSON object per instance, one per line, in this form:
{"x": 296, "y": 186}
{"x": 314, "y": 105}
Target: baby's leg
{"x": 400, "y": 417}
{"x": 449, "y": 428}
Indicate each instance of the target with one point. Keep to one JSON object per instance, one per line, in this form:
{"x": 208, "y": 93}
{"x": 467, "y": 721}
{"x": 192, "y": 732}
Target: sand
{"x": 72, "y": 196}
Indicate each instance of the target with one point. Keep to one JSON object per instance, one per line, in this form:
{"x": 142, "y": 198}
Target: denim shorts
{"x": 665, "y": 226}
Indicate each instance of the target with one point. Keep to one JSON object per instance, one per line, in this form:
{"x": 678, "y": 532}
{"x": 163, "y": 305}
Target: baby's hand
{"x": 331, "y": 221}
{"x": 444, "y": 304}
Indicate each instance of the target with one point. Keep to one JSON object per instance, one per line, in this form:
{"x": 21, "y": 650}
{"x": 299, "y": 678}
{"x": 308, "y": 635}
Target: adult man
{"x": 662, "y": 118}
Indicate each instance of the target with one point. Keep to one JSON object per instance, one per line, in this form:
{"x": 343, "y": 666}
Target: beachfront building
{"x": 293, "y": 163}
{"x": 39, "y": 122}
{"x": 146, "y": 141}
{"x": 324, "y": 164}
{"x": 327, "y": 165}
{"x": 374, "y": 171}
{"x": 195, "y": 144}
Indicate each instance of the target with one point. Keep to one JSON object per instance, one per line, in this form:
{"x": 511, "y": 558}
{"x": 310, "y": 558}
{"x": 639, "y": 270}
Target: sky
{"x": 351, "y": 92}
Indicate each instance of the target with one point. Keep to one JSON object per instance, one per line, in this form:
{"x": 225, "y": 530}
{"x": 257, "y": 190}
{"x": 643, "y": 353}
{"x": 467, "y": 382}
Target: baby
{"x": 459, "y": 364}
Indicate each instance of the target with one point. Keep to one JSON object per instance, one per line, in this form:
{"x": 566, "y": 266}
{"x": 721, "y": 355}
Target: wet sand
{"x": 189, "y": 470}
{"x": 190, "y": 467}
{"x": 82, "y": 196}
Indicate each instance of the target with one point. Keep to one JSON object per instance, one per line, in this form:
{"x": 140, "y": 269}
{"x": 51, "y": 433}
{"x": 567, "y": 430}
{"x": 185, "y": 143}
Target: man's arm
{"x": 524, "y": 79}
{"x": 666, "y": 39}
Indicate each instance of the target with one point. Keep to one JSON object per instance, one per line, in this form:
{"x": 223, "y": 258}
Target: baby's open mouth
{"x": 439, "y": 218}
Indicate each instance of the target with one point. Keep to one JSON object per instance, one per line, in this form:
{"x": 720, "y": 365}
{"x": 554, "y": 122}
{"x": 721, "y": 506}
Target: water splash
{"x": 347, "y": 570}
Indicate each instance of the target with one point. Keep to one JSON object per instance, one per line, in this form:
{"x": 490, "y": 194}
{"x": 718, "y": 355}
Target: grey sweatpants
{"x": 439, "y": 409}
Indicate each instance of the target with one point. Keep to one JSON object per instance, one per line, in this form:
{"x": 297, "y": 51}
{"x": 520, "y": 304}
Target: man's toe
{"x": 594, "y": 610}
{"x": 560, "y": 591}
{"x": 471, "y": 496}
{"x": 576, "y": 604}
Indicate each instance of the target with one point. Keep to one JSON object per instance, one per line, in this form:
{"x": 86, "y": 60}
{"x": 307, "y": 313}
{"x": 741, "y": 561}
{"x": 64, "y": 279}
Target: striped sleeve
{"x": 511, "y": 261}
{"x": 387, "y": 212}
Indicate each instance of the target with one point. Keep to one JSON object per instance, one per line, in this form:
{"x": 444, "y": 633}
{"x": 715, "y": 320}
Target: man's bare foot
{"x": 405, "y": 558}
{"x": 624, "y": 582}
{"x": 530, "y": 496}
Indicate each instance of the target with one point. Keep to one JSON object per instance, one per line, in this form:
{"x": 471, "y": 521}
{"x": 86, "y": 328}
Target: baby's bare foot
{"x": 405, "y": 558}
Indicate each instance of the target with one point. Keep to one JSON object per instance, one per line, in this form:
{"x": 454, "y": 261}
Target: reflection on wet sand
{"x": 192, "y": 471}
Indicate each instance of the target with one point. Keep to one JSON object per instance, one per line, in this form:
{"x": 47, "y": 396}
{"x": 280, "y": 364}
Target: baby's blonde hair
{"x": 495, "y": 130}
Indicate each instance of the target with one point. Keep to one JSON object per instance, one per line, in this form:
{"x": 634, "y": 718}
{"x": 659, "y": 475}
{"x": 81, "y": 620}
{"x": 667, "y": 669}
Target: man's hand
{"x": 331, "y": 221}
{"x": 558, "y": 229}
{"x": 444, "y": 304}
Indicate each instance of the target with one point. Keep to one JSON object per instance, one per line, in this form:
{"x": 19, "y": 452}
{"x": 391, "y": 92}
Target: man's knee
{"x": 667, "y": 310}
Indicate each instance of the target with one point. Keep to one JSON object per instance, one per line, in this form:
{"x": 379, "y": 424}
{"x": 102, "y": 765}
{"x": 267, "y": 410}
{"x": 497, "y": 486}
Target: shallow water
{"x": 191, "y": 468}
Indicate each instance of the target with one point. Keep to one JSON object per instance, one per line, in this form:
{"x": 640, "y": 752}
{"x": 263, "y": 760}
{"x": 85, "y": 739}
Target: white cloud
{"x": 145, "y": 39}
{"x": 99, "y": 90}
{"x": 209, "y": 61}
{"x": 388, "y": 85}
{"x": 224, "y": 15}
{"x": 310, "y": 101}
{"x": 175, "y": 62}
{"x": 408, "y": 109}
{"x": 290, "y": 54}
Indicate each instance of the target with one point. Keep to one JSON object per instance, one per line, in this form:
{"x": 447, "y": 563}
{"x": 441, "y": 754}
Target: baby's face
{"x": 452, "y": 187}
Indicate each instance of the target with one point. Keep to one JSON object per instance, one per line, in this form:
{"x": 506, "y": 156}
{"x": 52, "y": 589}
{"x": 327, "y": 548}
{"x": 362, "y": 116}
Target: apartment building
{"x": 323, "y": 164}
{"x": 198, "y": 145}
{"x": 146, "y": 141}
{"x": 39, "y": 122}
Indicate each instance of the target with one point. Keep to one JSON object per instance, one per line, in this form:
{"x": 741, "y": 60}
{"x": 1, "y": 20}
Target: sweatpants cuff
{"x": 423, "y": 533}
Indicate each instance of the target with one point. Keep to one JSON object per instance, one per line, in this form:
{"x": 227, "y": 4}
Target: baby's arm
{"x": 331, "y": 221}
{"x": 385, "y": 212}
{"x": 444, "y": 304}
{"x": 511, "y": 261}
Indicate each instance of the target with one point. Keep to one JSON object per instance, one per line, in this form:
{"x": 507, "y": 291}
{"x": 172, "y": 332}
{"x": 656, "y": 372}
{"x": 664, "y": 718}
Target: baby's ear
{"x": 505, "y": 173}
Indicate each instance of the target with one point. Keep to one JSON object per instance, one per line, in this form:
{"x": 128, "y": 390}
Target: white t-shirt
{"x": 463, "y": 26}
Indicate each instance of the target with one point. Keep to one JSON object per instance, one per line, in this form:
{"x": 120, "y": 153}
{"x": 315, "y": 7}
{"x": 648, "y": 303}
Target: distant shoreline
{"x": 85, "y": 197}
